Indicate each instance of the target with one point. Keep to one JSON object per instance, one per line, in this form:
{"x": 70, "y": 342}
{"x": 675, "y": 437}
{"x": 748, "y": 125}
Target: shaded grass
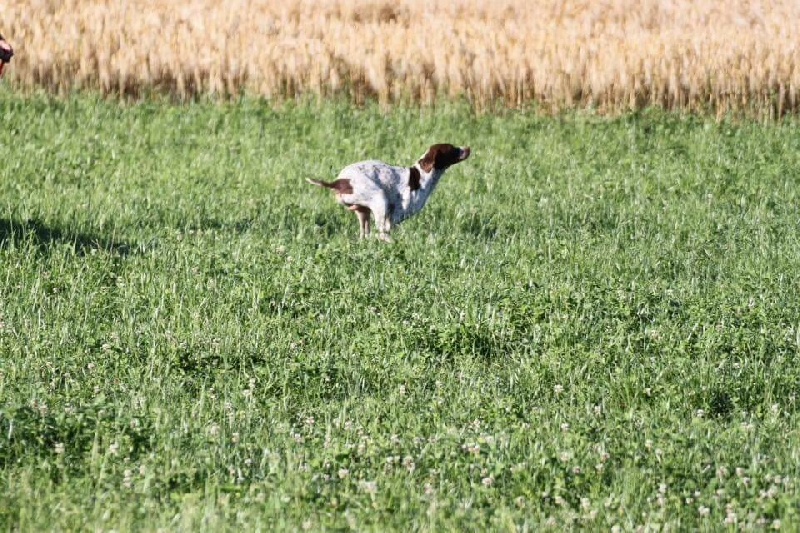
{"x": 592, "y": 324}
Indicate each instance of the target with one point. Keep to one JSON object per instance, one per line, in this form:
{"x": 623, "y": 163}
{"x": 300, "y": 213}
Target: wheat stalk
{"x": 612, "y": 56}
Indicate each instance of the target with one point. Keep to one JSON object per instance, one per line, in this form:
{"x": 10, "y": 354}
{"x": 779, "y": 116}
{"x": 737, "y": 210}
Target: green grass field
{"x": 594, "y": 323}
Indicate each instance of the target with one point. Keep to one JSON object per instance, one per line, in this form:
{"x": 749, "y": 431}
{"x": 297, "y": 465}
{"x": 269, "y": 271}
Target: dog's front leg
{"x": 383, "y": 221}
{"x": 386, "y": 229}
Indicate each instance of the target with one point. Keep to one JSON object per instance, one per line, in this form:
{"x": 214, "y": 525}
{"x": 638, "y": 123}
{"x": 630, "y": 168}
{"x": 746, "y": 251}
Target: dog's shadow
{"x": 45, "y": 238}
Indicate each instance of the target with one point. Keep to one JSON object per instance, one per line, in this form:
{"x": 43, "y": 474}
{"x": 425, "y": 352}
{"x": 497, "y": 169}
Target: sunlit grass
{"x": 592, "y": 324}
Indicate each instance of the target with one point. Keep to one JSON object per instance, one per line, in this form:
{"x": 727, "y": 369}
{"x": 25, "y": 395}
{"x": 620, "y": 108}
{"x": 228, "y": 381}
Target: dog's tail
{"x": 319, "y": 183}
{"x": 340, "y": 186}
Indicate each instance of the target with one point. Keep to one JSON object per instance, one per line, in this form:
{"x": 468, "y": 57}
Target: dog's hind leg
{"x": 363, "y": 219}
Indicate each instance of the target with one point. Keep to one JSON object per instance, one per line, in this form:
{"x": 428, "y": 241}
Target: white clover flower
{"x": 127, "y": 479}
{"x": 41, "y": 407}
{"x": 472, "y": 448}
{"x": 370, "y": 487}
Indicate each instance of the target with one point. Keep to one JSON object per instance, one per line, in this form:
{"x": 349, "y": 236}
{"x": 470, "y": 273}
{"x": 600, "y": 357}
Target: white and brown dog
{"x": 392, "y": 194}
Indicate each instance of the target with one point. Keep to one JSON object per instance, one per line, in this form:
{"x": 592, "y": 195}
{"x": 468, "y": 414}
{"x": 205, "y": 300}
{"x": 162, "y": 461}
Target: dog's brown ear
{"x": 427, "y": 161}
{"x": 414, "y": 179}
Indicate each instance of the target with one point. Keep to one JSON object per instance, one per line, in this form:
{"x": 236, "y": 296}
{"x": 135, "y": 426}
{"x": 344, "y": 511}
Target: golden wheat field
{"x": 610, "y": 56}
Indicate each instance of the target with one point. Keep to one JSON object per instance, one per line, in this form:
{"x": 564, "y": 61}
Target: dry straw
{"x": 611, "y": 55}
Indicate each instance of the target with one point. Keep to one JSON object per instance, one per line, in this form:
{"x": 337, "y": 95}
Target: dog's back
{"x": 385, "y": 176}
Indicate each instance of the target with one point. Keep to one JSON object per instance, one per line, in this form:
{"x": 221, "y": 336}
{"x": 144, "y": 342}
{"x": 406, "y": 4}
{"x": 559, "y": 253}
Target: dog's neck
{"x": 427, "y": 180}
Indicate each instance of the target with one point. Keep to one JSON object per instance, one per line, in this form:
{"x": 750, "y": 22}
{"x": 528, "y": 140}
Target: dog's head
{"x": 442, "y": 156}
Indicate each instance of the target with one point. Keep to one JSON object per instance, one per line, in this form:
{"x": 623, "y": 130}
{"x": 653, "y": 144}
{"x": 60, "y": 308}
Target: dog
{"x": 391, "y": 194}
{"x": 6, "y": 53}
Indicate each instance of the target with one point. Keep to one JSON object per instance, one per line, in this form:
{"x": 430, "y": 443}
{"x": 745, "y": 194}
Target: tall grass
{"x": 610, "y": 56}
